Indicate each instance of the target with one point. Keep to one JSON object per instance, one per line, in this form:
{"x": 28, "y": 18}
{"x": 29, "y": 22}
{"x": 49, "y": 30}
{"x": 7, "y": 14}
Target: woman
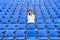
{"x": 30, "y": 17}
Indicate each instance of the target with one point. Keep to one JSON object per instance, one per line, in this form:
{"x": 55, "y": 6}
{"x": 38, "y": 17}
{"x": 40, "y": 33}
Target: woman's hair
{"x": 29, "y": 10}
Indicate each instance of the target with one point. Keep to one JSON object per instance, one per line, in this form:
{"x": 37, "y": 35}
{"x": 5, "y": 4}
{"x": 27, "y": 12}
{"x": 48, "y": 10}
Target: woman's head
{"x": 30, "y": 12}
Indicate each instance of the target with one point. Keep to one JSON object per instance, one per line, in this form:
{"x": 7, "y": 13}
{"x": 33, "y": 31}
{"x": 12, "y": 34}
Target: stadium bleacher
{"x": 13, "y": 20}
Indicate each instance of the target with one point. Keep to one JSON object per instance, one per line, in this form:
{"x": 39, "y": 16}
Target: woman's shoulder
{"x": 33, "y": 14}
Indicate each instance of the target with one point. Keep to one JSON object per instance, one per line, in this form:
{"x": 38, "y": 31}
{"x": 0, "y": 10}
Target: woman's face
{"x": 30, "y": 12}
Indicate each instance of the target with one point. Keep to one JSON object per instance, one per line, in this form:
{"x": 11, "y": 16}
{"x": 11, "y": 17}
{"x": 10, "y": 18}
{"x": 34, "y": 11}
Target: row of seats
{"x": 30, "y": 35}
{"x": 22, "y": 27}
{"x": 23, "y": 21}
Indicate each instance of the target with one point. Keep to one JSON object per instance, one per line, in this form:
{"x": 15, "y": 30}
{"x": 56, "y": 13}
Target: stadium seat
{"x": 7, "y": 17}
{"x": 42, "y": 35}
{"x": 9, "y": 35}
{"x": 20, "y": 35}
{"x": 2, "y": 13}
{"x": 15, "y": 16}
{"x": 58, "y": 27}
{"x": 56, "y": 21}
{"x": 5, "y": 21}
{"x": 2, "y": 27}
{"x": 53, "y": 34}
{"x": 50, "y": 27}
{"x": 48, "y": 21}
{"x": 39, "y": 21}
{"x": 40, "y": 27}
{"x": 31, "y": 35}
{"x": 21, "y": 27}
{"x": 1, "y": 16}
{"x": 13, "y": 21}
{"x": 31, "y": 27}
{"x": 22, "y": 21}
{"x": 11, "y": 27}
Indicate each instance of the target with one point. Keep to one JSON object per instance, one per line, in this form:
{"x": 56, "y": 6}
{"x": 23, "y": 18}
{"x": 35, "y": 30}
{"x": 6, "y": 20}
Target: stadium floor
{"x": 13, "y": 20}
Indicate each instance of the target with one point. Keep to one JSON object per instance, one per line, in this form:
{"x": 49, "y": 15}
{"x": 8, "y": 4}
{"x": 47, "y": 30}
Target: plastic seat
{"x": 9, "y": 13}
{"x": 23, "y": 17}
{"x": 38, "y": 16}
{"x": 9, "y": 35}
{"x": 31, "y": 27}
{"x": 58, "y": 27}
{"x": 31, "y": 35}
{"x": 39, "y": 21}
{"x": 54, "y": 16}
{"x": 7, "y": 17}
{"x": 53, "y": 34}
{"x": 46, "y": 16}
{"x": 1, "y": 16}
{"x": 0, "y": 8}
{"x": 40, "y": 27}
{"x": 13, "y": 21}
{"x": 5, "y": 21}
{"x": 58, "y": 13}
{"x": 48, "y": 21}
{"x": 50, "y": 27}
{"x": 2, "y": 27}
{"x": 16, "y": 13}
{"x": 11, "y": 27}
{"x": 2, "y": 13}
{"x": 22, "y": 21}
{"x": 15, "y": 16}
{"x": 21, "y": 27}
{"x": 20, "y": 35}
{"x": 42, "y": 34}
{"x": 56, "y": 21}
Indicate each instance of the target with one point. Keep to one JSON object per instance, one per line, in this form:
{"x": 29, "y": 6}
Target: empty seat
{"x": 58, "y": 13}
{"x": 1, "y": 16}
{"x": 2, "y": 27}
{"x": 53, "y": 34}
{"x": 54, "y": 17}
{"x": 58, "y": 27}
{"x": 11, "y": 27}
{"x": 2, "y": 13}
{"x": 13, "y": 21}
{"x": 22, "y": 21}
{"x": 9, "y": 13}
{"x": 56, "y": 21}
{"x": 48, "y": 21}
{"x": 5, "y": 21}
{"x": 42, "y": 34}
{"x": 23, "y": 16}
{"x": 38, "y": 16}
{"x": 31, "y": 27}
{"x": 40, "y": 26}
{"x": 46, "y": 16}
{"x": 31, "y": 35}
{"x": 7, "y": 17}
{"x": 9, "y": 35}
{"x": 39, "y": 21}
{"x": 20, "y": 35}
{"x": 15, "y": 16}
{"x": 21, "y": 27}
{"x": 50, "y": 27}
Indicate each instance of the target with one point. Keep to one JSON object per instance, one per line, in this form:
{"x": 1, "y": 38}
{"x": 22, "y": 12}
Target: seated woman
{"x": 30, "y": 17}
